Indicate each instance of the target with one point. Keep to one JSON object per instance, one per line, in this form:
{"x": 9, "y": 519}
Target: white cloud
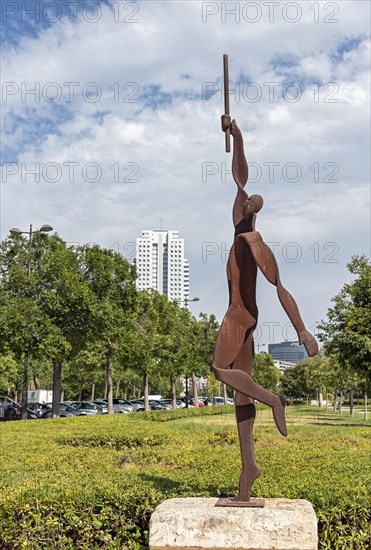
{"x": 172, "y": 51}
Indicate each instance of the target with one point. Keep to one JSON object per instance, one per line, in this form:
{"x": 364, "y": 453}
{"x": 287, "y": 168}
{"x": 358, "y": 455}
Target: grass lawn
{"x": 93, "y": 482}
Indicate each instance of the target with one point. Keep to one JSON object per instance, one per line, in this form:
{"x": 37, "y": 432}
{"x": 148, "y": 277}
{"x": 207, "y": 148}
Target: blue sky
{"x": 122, "y": 134}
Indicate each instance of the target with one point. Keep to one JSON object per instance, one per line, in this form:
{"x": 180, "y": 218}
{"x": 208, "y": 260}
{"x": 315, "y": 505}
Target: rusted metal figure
{"x": 234, "y": 348}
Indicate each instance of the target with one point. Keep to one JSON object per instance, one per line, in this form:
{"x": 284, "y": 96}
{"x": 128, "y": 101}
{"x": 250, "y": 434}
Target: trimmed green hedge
{"x": 91, "y": 483}
{"x": 167, "y": 416}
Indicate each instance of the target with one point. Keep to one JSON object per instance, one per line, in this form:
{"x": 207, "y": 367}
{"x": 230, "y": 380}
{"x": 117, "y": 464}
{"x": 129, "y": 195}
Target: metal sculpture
{"x": 234, "y": 348}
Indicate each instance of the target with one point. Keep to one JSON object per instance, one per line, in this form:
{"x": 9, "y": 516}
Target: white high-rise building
{"x": 161, "y": 264}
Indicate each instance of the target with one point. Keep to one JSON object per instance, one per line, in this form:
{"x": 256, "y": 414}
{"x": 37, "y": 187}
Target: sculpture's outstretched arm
{"x": 267, "y": 264}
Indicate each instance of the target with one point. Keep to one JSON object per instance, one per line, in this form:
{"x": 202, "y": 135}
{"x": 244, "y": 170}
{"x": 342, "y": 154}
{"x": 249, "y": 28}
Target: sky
{"x": 111, "y": 125}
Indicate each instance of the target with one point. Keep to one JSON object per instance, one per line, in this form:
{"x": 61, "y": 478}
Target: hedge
{"x": 91, "y": 483}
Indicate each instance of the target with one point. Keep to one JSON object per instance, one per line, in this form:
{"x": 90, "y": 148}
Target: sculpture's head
{"x": 252, "y": 205}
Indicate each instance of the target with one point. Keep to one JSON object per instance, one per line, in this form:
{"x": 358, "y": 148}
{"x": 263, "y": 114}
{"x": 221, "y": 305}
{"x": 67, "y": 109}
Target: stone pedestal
{"x": 196, "y": 524}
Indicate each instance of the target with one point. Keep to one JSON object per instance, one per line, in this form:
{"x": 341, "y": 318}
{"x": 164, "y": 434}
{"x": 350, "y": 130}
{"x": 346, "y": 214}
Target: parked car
{"x": 102, "y": 404}
{"x": 65, "y": 410}
{"x": 187, "y": 402}
{"x": 120, "y": 405}
{"x": 138, "y": 404}
{"x": 10, "y": 410}
{"x": 205, "y": 401}
{"x": 41, "y": 409}
{"x": 168, "y": 403}
{"x": 153, "y": 405}
{"x": 200, "y": 402}
{"x": 157, "y": 406}
{"x": 220, "y": 401}
{"x": 86, "y": 408}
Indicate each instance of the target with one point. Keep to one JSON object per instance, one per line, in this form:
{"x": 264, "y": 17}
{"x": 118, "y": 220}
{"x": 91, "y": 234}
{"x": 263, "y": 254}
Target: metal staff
{"x": 226, "y": 102}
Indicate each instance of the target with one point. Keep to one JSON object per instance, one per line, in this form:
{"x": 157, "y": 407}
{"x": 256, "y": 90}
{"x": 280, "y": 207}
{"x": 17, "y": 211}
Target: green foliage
{"x": 222, "y": 438}
{"x": 8, "y": 371}
{"x": 306, "y": 378}
{"x": 265, "y": 373}
{"x": 294, "y": 382}
{"x": 117, "y": 442}
{"x": 93, "y": 482}
{"x": 347, "y": 332}
{"x": 167, "y": 416}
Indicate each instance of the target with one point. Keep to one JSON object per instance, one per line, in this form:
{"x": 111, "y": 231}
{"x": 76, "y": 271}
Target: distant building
{"x": 293, "y": 352}
{"x": 283, "y": 365}
{"x": 161, "y": 264}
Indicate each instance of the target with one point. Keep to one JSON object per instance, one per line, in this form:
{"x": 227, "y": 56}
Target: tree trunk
{"x": 225, "y": 395}
{"x": 351, "y": 399}
{"x": 25, "y": 386}
{"x": 62, "y": 395}
{"x": 57, "y": 387}
{"x": 173, "y": 392}
{"x": 109, "y": 383}
{"x": 320, "y": 397}
{"x": 195, "y": 390}
{"x": 105, "y": 390}
{"x": 93, "y": 391}
{"x": 341, "y": 403}
{"x": 145, "y": 385}
{"x": 186, "y": 392}
{"x": 80, "y": 392}
{"x": 118, "y": 388}
{"x": 126, "y": 392}
{"x": 366, "y": 406}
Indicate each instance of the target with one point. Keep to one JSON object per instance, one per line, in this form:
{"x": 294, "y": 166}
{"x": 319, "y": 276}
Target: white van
{"x": 153, "y": 397}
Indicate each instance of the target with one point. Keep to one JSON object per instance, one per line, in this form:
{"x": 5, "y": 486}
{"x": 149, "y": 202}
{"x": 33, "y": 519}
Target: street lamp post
{"x": 260, "y": 346}
{"x": 187, "y": 300}
{"x": 15, "y": 231}
{"x": 186, "y": 304}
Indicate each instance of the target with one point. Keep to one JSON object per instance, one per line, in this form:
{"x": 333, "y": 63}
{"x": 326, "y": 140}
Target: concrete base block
{"x": 196, "y": 524}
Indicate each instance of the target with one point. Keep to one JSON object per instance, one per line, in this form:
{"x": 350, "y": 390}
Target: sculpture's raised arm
{"x": 244, "y": 207}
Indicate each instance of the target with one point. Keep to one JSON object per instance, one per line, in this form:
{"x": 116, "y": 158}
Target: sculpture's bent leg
{"x": 242, "y": 382}
{"x": 228, "y": 345}
{"x": 267, "y": 264}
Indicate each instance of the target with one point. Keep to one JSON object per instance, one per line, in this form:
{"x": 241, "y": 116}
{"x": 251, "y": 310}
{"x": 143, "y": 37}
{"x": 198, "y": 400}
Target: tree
{"x": 347, "y": 332}
{"x": 176, "y": 323}
{"x": 204, "y": 333}
{"x": 8, "y": 372}
{"x": 28, "y": 331}
{"x": 323, "y": 374}
{"x": 111, "y": 282}
{"x": 294, "y": 382}
{"x": 265, "y": 373}
{"x": 157, "y": 341}
{"x": 45, "y": 277}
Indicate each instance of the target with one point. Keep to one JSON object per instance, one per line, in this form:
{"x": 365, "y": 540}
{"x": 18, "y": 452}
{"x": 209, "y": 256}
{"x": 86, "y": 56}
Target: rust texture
{"x": 234, "y": 348}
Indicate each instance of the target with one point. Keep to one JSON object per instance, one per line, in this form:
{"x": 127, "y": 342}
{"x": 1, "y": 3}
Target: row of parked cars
{"x": 10, "y": 410}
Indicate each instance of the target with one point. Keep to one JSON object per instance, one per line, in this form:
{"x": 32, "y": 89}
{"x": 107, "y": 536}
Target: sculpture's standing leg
{"x": 245, "y": 416}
